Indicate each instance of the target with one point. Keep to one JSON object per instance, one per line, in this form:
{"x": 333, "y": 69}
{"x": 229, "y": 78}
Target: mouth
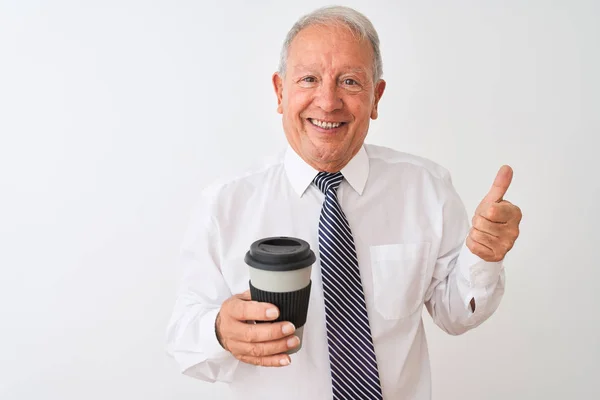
{"x": 326, "y": 125}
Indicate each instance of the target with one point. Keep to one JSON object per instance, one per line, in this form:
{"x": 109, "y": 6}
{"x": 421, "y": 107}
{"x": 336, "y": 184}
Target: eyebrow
{"x": 348, "y": 68}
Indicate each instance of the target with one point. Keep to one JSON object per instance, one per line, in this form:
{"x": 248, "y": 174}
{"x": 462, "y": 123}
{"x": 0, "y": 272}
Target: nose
{"x": 328, "y": 98}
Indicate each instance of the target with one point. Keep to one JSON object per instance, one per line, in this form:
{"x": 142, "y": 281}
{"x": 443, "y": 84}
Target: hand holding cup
{"x": 276, "y": 304}
{"x": 263, "y": 344}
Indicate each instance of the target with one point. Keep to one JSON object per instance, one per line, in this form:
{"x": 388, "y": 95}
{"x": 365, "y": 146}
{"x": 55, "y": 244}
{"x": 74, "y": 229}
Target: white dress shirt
{"x": 409, "y": 227}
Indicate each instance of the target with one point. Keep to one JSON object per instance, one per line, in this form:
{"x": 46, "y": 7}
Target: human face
{"x": 327, "y": 95}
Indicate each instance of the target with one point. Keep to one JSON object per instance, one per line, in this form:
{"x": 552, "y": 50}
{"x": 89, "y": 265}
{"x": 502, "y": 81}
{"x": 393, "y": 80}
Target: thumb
{"x": 245, "y": 295}
{"x": 500, "y": 185}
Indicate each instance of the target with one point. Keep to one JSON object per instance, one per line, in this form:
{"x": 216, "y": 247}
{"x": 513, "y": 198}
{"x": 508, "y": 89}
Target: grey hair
{"x": 359, "y": 24}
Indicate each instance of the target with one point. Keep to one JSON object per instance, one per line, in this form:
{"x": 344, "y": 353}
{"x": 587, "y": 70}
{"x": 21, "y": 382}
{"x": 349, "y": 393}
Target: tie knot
{"x": 327, "y": 180}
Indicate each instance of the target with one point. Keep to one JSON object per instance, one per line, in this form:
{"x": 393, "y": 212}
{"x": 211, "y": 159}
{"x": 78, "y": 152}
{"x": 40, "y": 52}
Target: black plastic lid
{"x": 280, "y": 253}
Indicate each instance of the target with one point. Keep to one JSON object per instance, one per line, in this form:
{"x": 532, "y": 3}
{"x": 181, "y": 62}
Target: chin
{"x": 326, "y": 158}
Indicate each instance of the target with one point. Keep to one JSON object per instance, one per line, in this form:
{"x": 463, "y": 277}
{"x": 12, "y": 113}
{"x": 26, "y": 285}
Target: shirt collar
{"x": 301, "y": 175}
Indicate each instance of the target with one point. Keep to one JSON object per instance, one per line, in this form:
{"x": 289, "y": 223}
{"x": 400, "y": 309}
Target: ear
{"x": 278, "y": 86}
{"x": 378, "y": 93}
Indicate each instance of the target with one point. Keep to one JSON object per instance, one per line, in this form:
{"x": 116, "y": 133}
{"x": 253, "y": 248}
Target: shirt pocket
{"x": 399, "y": 278}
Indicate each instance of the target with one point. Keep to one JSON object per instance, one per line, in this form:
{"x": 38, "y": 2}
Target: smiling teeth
{"x": 325, "y": 125}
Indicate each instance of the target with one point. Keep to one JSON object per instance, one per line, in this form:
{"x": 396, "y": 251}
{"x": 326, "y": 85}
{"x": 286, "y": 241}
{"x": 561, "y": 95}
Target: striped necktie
{"x": 351, "y": 354}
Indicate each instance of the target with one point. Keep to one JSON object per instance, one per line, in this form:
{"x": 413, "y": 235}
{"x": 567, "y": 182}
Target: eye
{"x": 309, "y": 79}
{"x": 350, "y": 82}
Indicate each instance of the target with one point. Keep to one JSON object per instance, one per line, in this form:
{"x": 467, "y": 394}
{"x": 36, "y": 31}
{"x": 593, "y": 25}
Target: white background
{"x": 114, "y": 114}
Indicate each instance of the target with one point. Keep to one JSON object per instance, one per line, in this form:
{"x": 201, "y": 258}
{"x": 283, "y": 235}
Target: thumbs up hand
{"x": 496, "y": 222}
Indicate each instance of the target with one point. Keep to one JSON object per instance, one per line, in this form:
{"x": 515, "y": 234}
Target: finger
{"x": 484, "y": 239}
{"x": 248, "y": 310}
{"x": 496, "y": 212}
{"x": 262, "y": 332}
{"x": 500, "y": 185}
{"x": 484, "y": 225}
{"x": 280, "y": 360}
{"x": 515, "y": 211}
{"x": 264, "y": 349}
{"x": 479, "y": 250}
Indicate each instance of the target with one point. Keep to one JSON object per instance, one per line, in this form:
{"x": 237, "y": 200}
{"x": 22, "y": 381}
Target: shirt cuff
{"x": 478, "y": 272}
{"x": 480, "y": 277}
{"x": 211, "y": 347}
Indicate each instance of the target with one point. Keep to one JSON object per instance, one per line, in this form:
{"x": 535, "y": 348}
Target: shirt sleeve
{"x": 460, "y": 276}
{"x": 191, "y": 338}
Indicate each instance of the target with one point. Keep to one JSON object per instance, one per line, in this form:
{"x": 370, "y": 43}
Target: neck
{"x": 331, "y": 167}
{"x": 323, "y": 165}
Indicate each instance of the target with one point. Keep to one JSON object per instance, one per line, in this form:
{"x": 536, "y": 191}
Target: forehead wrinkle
{"x": 311, "y": 39}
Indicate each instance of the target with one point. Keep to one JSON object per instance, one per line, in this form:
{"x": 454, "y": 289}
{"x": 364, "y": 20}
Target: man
{"x": 391, "y": 234}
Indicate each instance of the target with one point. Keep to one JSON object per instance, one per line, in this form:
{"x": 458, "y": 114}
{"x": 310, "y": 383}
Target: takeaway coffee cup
{"x": 280, "y": 269}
